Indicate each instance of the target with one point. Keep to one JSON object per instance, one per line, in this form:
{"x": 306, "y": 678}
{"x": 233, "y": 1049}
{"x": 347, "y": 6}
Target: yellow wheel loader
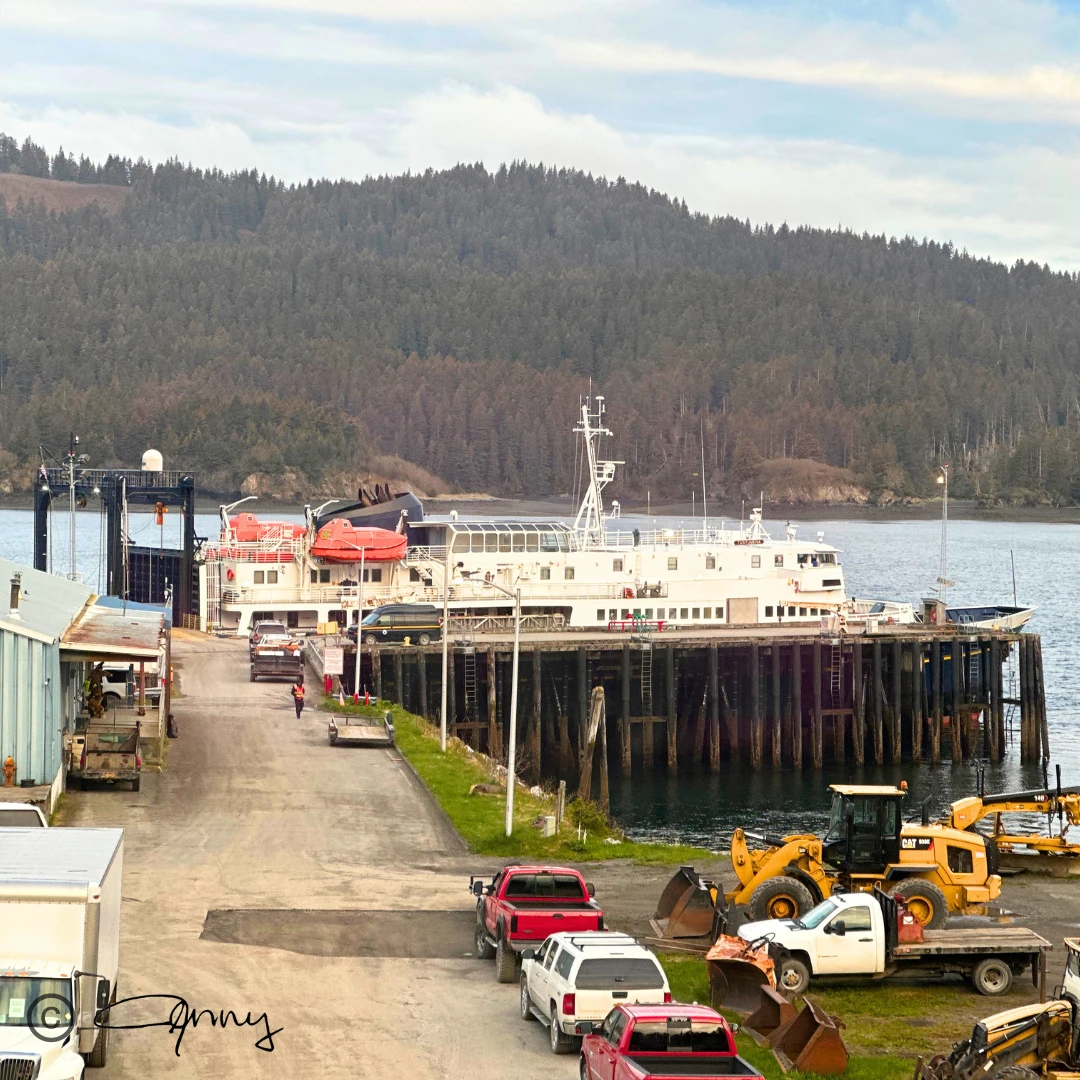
{"x": 936, "y": 869}
{"x": 1025, "y": 1043}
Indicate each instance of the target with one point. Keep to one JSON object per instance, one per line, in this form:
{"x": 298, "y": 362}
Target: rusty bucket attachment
{"x": 738, "y": 970}
{"x": 771, "y": 1018}
{"x": 687, "y": 907}
{"x": 812, "y": 1043}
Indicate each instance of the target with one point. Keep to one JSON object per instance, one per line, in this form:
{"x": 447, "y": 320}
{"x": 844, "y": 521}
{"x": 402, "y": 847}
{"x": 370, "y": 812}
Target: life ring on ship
{"x": 230, "y": 573}
{"x": 796, "y": 586}
{"x": 933, "y": 615}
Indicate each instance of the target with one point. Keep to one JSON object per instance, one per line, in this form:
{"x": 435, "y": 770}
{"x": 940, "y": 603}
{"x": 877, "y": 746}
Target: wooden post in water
{"x": 816, "y": 733}
{"x": 876, "y": 697}
{"x": 756, "y": 733}
{"x": 421, "y": 679}
{"x": 536, "y": 732}
{"x": 935, "y": 685}
{"x": 859, "y": 699}
{"x": 918, "y": 694}
{"x": 714, "y": 709}
{"x": 777, "y": 742}
{"x": 605, "y": 785}
{"x": 624, "y": 716}
{"x": 993, "y": 696}
{"x": 494, "y": 747}
{"x": 958, "y": 719}
{"x": 731, "y": 715}
{"x": 796, "y": 705}
{"x": 672, "y": 712}
{"x": 1043, "y": 743}
{"x": 583, "y": 701}
{"x": 895, "y": 729}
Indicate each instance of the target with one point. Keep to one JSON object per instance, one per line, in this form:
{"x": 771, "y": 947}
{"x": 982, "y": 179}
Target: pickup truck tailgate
{"x": 692, "y": 1065}
{"x": 535, "y": 921}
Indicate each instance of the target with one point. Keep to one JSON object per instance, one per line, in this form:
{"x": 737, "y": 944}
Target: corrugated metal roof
{"x": 63, "y": 854}
{"x": 47, "y": 603}
{"x": 105, "y": 630}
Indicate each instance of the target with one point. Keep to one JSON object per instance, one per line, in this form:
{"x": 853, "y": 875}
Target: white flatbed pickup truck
{"x": 872, "y": 934}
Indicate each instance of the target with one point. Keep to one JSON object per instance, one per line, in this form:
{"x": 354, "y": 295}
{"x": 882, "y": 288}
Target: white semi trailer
{"x": 59, "y": 948}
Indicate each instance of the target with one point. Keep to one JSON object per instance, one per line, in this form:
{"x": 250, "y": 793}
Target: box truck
{"x": 59, "y": 948}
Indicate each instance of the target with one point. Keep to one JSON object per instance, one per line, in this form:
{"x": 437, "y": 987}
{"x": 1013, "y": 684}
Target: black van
{"x": 420, "y": 623}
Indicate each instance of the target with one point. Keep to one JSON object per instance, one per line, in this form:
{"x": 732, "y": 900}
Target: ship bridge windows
{"x": 755, "y": 562}
{"x": 510, "y": 536}
{"x": 827, "y": 558}
{"x": 519, "y": 541}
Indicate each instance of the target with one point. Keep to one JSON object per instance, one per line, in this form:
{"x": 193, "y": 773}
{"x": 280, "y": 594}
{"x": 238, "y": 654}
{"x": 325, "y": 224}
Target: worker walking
{"x": 298, "y": 697}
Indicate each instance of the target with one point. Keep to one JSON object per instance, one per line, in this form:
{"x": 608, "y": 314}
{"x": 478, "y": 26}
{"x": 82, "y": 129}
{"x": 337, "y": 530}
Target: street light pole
{"x": 445, "y": 641}
{"x": 511, "y": 757}
{"x": 943, "y": 563}
{"x": 359, "y": 625}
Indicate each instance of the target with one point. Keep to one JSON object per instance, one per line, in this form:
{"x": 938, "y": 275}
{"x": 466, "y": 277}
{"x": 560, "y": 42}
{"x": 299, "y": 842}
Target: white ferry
{"x": 590, "y": 574}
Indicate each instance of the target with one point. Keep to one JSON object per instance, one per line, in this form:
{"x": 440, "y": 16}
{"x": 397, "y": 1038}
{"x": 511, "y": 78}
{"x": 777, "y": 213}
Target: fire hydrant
{"x": 9, "y": 771}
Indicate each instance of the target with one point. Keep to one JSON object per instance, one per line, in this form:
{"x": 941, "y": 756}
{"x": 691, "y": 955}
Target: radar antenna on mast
{"x": 589, "y": 523}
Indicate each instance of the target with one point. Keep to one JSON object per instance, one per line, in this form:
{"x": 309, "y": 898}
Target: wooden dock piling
{"x": 796, "y": 706}
{"x": 421, "y": 680}
{"x": 859, "y": 691}
{"x": 536, "y": 730}
{"x": 756, "y": 732}
{"x": 918, "y": 696}
{"x": 776, "y": 743}
{"x": 935, "y": 685}
{"x": 896, "y": 711}
{"x": 672, "y": 712}
{"x": 624, "y": 717}
{"x": 714, "y": 709}
{"x": 816, "y": 732}
{"x": 957, "y": 721}
{"x": 877, "y": 692}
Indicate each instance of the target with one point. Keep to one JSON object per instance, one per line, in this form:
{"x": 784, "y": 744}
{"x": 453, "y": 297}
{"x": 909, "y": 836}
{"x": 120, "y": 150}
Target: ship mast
{"x": 589, "y": 523}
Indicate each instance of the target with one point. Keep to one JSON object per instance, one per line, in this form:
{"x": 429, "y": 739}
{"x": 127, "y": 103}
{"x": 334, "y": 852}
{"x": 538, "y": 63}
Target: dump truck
{"x": 1031, "y": 1041}
{"x": 935, "y": 868}
{"x": 105, "y": 751}
{"x": 59, "y": 949}
{"x": 274, "y": 658}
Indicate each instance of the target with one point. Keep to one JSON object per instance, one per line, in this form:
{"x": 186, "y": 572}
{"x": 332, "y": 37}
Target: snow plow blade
{"x": 770, "y": 1020}
{"x": 738, "y": 970}
{"x": 812, "y": 1043}
{"x": 687, "y": 907}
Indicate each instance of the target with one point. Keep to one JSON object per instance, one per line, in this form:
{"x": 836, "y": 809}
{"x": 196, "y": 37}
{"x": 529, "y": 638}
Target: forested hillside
{"x": 455, "y": 318}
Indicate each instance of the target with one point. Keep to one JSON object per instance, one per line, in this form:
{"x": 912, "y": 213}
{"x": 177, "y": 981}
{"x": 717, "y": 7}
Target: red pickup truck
{"x": 636, "y": 1042}
{"x": 523, "y": 905}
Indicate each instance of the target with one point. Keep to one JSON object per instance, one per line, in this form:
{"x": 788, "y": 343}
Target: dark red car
{"x": 639, "y": 1041}
{"x": 523, "y": 905}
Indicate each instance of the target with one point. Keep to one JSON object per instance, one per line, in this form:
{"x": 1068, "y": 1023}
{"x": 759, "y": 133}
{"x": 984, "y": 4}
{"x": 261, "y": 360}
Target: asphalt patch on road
{"x": 406, "y": 935}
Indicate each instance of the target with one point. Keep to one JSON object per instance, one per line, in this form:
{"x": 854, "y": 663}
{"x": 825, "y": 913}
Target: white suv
{"x": 574, "y": 980}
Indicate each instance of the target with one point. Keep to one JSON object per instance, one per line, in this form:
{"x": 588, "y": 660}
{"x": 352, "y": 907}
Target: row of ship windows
{"x": 322, "y": 577}
{"x": 791, "y": 611}
{"x": 671, "y": 613}
{"x": 617, "y": 564}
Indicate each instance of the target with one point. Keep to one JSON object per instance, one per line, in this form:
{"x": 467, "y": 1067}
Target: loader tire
{"x": 925, "y": 901}
{"x": 1015, "y": 1072}
{"x": 505, "y": 962}
{"x": 780, "y": 897}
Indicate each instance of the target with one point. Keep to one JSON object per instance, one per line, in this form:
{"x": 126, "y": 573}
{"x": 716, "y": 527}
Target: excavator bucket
{"x": 769, "y": 1021}
{"x": 738, "y": 970}
{"x": 687, "y": 907}
{"x": 812, "y": 1043}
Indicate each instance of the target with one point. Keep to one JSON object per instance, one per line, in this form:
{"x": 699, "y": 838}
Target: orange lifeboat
{"x": 339, "y": 541}
{"x": 249, "y": 529}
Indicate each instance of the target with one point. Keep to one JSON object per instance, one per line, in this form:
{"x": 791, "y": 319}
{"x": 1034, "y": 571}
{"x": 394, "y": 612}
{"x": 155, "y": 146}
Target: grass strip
{"x": 480, "y": 819}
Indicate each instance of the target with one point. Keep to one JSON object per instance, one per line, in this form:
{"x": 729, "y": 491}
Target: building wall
{"x": 31, "y": 707}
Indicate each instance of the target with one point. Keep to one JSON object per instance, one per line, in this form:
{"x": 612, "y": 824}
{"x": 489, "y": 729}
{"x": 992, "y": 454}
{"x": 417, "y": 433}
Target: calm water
{"x": 894, "y": 560}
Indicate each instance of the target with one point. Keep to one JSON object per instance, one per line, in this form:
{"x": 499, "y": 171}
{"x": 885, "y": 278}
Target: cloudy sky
{"x": 956, "y": 119}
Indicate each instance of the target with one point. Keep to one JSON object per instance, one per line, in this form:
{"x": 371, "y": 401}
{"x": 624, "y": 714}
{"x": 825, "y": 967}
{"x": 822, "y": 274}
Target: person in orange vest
{"x": 298, "y": 697}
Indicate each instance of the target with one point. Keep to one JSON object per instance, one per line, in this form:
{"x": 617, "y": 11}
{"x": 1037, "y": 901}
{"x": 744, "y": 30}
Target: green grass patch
{"x": 885, "y": 1024}
{"x": 480, "y": 819}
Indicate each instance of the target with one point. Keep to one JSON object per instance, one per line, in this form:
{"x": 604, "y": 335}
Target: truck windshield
{"x": 619, "y": 973}
{"x": 544, "y": 886}
{"x": 23, "y": 819}
{"x": 816, "y": 916}
{"x": 44, "y": 1003}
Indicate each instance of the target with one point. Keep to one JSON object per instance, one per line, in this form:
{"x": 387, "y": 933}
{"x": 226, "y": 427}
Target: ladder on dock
{"x": 646, "y": 679}
{"x": 469, "y": 659}
{"x": 974, "y": 681}
{"x": 836, "y": 673}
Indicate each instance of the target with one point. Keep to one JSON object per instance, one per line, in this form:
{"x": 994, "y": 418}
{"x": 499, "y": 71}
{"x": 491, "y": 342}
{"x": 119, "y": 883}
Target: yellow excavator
{"x": 1023, "y": 850}
{"x": 937, "y": 869}
{"x": 1026, "y": 1043}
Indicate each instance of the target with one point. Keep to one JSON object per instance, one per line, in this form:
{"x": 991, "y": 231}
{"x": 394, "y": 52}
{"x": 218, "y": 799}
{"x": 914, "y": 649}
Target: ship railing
{"x": 423, "y": 555}
{"x": 344, "y": 597}
{"x": 269, "y": 550}
{"x": 468, "y": 625}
